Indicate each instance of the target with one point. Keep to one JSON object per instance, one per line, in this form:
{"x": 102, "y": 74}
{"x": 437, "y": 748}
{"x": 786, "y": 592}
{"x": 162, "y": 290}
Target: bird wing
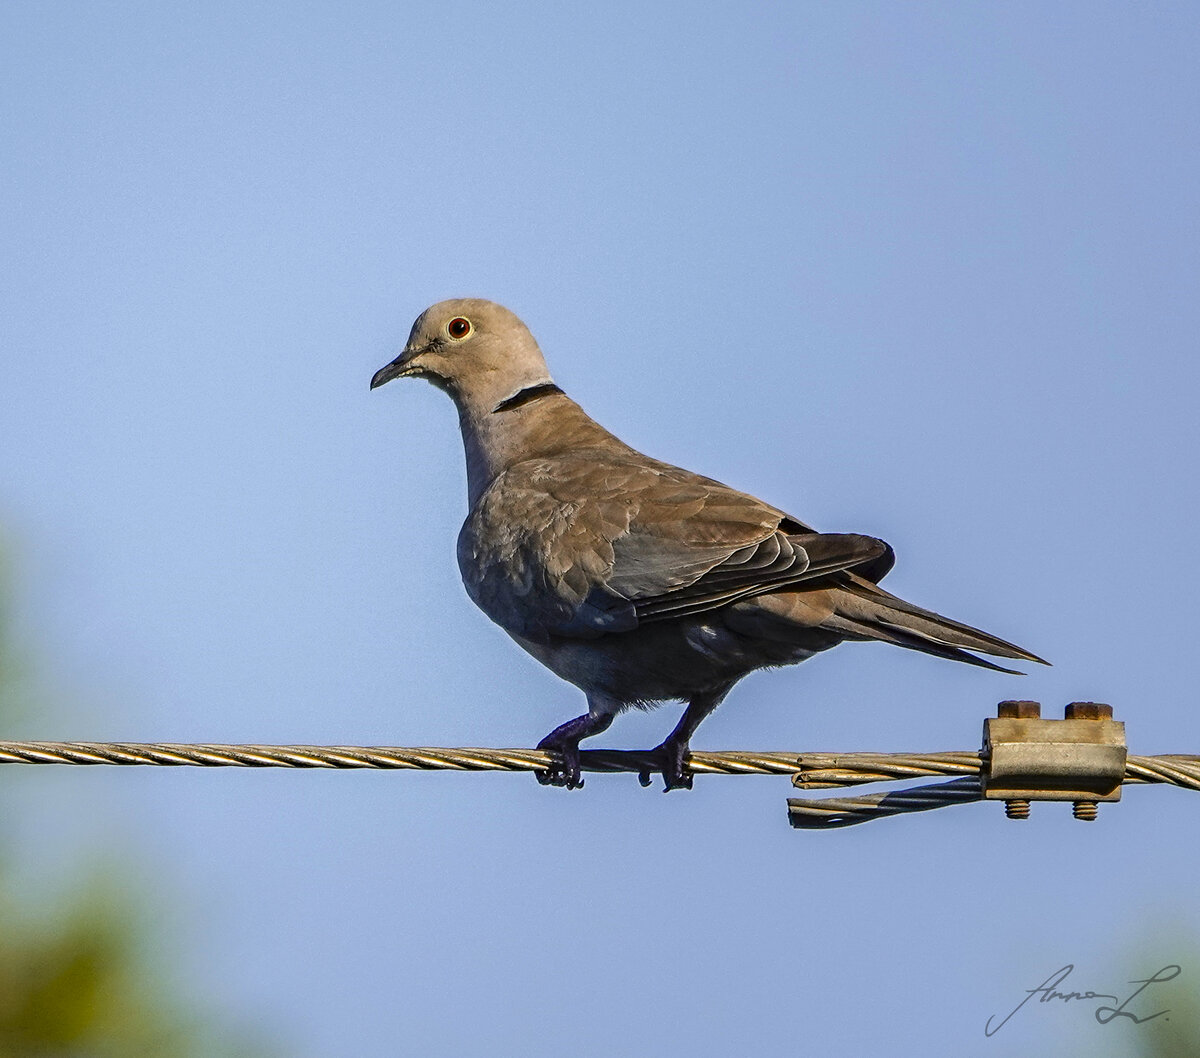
{"x": 592, "y": 542}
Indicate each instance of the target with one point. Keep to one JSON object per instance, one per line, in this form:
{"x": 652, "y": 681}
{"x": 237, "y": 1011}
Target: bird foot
{"x": 670, "y": 759}
{"x": 565, "y": 771}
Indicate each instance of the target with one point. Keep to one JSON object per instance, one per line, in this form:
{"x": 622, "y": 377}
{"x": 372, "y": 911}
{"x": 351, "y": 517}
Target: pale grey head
{"x": 475, "y": 350}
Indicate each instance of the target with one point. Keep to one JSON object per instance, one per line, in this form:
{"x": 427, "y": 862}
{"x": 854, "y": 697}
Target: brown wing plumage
{"x": 594, "y": 542}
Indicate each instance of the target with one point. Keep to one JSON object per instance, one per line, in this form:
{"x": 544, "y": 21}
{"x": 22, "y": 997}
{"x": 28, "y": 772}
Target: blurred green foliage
{"x": 72, "y": 982}
{"x": 1177, "y": 1033}
{"x": 76, "y": 978}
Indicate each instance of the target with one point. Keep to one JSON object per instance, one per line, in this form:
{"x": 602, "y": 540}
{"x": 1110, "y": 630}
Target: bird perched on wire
{"x": 633, "y": 579}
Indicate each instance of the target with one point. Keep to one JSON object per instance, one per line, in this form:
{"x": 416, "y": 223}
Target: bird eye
{"x": 459, "y": 327}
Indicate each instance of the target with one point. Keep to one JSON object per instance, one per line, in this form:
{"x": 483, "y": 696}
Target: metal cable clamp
{"x": 1082, "y": 758}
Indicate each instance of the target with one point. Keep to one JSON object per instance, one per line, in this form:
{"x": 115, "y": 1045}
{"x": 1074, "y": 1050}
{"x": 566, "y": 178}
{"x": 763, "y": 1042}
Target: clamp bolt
{"x": 1018, "y": 710}
{"x": 1086, "y": 810}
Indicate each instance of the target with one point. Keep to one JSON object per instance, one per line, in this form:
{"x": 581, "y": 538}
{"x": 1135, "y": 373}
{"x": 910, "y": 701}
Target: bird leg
{"x": 672, "y": 752}
{"x": 564, "y": 741}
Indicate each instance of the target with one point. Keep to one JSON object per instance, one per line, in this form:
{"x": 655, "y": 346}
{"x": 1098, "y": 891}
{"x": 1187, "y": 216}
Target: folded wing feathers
{"x": 787, "y": 561}
{"x": 887, "y": 633}
{"x": 879, "y": 614}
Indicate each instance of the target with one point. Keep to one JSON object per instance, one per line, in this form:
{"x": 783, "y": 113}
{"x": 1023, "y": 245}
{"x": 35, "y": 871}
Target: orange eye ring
{"x": 458, "y": 328}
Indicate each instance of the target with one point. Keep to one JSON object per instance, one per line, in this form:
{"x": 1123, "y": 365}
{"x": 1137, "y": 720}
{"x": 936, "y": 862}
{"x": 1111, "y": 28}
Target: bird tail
{"x": 863, "y": 610}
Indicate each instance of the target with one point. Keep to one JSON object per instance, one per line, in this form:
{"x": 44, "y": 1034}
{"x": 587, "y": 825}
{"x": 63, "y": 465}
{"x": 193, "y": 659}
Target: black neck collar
{"x": 526, "y": 395}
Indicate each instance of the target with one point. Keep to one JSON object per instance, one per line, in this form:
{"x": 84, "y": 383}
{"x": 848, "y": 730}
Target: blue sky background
{"x": 922, "y": 271}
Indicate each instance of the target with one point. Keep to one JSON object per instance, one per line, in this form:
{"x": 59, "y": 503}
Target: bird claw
{"x": 682, "y": 781}
{"x": 671, "y": 766}
{"x": 559, "y": 777}
{"x": 566, "y": 771}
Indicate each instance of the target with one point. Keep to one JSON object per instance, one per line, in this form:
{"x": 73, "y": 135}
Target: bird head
{"x": 475, "y": 350}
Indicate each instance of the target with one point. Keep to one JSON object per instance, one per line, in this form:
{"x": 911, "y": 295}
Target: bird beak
{"x": 395, "y": 369}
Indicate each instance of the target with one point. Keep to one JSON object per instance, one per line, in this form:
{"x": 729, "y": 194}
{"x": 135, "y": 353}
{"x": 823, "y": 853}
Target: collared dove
{"x": 635, "y": 580}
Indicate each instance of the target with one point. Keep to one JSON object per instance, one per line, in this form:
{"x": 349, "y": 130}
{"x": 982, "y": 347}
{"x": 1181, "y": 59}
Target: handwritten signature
{"x": 1047, "y": 992}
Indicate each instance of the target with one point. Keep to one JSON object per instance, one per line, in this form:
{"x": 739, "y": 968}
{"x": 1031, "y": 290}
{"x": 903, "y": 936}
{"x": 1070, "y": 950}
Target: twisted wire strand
{"x": 823, "y": 771}
{"x": 1175, "y": 768}
{"x": 422, "y": 758}
{"x": 827, "y": 813}
{"x": 812, "y": 771}
{"x": 809, "y": 771}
